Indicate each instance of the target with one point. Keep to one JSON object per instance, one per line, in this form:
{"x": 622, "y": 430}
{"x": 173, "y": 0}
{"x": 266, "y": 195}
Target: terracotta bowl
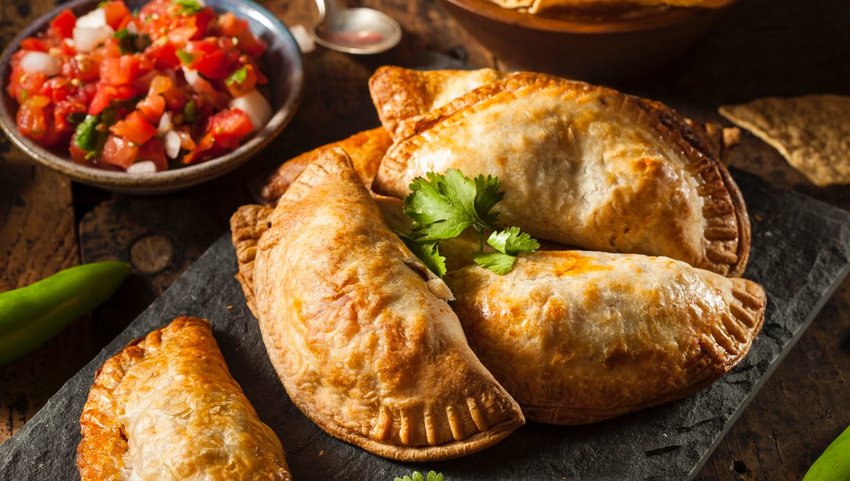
{"x": 595, "y": 49}
{"x": 282, "y": 63}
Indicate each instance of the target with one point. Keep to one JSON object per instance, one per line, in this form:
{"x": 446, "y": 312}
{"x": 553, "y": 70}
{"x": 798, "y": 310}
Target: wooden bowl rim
{"x": 671, "y": 18}
{"x": 168, "y": 180}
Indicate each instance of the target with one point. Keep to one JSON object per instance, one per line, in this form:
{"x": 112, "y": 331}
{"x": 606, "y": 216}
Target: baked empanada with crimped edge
{"x": 578, "y": 337}
{"x": 359, "y": 330}
{"x": 366, "y": 150}
{"x": 166, "y": 408}
{"x": 584, "y": 166}
{"x": 401, "y": 94}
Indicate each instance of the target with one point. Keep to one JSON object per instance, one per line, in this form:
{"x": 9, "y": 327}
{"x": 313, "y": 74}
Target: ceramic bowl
{"x": 282, "y": 66}
{"x": 593, "y": 49}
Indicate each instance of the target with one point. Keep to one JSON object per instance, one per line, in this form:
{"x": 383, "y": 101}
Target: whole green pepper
{"x": 834, "y": 463}
{"x": 31, "y": 315}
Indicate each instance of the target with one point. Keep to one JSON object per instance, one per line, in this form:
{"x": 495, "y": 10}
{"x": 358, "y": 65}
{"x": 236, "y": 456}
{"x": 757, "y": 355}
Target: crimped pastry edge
{"x": 701, "y": 162}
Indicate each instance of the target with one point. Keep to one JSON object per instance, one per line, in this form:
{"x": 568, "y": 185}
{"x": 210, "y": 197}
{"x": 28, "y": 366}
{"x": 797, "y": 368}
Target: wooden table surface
{"x": 767, "y": 47}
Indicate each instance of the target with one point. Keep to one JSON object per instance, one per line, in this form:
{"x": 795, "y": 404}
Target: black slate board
{"x": 800, "y": 253}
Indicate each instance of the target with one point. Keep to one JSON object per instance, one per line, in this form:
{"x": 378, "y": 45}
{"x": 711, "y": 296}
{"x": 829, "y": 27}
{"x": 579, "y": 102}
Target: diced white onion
{"x": 132, "y": 28}
{"x": 87, "y": 39}
{"x": 190, "y": 75}
{"x": 40, "y": 62}
{"x": 94, "y": 19}
{"x": 256, "y": 106}
{"x": 164, "y": 123}
{"x": 172, "y": 144}
{"x": 303, "y": 38}
{"x": 142, "y": 167}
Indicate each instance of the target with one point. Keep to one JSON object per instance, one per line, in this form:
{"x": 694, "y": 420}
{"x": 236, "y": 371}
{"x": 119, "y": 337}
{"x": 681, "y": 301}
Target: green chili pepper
{"x": 33, "y": 314}
{"x": 834, "y": 463}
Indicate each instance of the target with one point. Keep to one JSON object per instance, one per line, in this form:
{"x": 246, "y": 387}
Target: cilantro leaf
{"x": 495, "y": 261}
{"x": 87, "y": 134}
{"x": 512, "y": 241}
{"x": 442, "y": 206}
{"x": 185, "y": 57}
{"x": 188, "y": 7}
{"x": 237, "y": 77}
{"x": 429, "y": 253}
{"x": 417, "y": 476}
{"x": 487, "y": 195}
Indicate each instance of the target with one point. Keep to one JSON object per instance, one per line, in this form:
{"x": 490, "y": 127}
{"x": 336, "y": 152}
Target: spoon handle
{"x": 327, "y": 9}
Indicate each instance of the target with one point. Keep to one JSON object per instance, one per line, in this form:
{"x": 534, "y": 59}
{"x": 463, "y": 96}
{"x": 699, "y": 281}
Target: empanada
{"x": 366, "y": 150}
{"x": 584, "y": 166}
{"x": 578, "y": 337}
{"x": 359, "y": 330}
{"x": 401, "y": 94}
{"x": 166, "y": 408}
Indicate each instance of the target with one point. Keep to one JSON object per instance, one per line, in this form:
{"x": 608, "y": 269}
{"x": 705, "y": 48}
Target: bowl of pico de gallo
{"x": 149, "y": 96}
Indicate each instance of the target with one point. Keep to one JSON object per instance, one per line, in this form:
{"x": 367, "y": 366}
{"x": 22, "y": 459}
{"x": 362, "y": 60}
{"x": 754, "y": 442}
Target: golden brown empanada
{"x": 584, "y": 166}
{"x": 166, "y": 408}
{"x": 359, "y": 330}
{"x": 401, "y": 94}
{"x": 366, "y": 150}
{"x": 578, "y": 337}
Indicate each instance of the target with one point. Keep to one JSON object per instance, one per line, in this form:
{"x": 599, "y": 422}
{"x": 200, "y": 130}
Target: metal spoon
{"x": 355, "y": 30}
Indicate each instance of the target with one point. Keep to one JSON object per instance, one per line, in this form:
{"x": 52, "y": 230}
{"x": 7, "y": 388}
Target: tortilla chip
{"x": 811, "y": 132}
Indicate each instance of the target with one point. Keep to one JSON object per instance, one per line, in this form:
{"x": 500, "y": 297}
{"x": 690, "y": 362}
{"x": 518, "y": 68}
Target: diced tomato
{"x": 35, "y": 121}
{"x": 64, "y": 23}
{"x": 164, "y": 56}
{"x": 152, "y": 107}
{"x": 62, "y": 111}
{"x": 237, "y": 88}
{"x": 229, "y": 127}
{"x": 224, "y": 132}
{"x": 32, "y": 43}
{"x": 116, "y": 10}
{"x": 119, "y": 152}
{"x": 78, "y": 155}
{"x": 202, "y": 20}
{"x": 209, "y": 95}
{"x": 232, "y": 26}
{"x": 135, "y": 128}
{"x": 154, "y": 151}
{"x": 106, "y": 94}
{"x": 83, "y": 67}
{"x": 181, "y": 33}
{"x": 23, "y": 85}
{"x": 161, "y": 84}
{"x": 57, "y": 88}
{"x": 120, "y": 71}
{"x": 209, "y": 58}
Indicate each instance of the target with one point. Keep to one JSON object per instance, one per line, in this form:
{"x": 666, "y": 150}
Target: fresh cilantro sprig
{"x": 417, "y": 476}
{"x": 443, "y": 206}
{"x": 507, "y": 243}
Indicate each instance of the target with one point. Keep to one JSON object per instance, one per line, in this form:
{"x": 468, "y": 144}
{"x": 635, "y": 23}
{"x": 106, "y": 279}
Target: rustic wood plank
{"x": 37, "y": 238}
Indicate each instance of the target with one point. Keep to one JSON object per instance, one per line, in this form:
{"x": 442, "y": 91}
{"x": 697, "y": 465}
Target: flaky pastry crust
{"x": 583, "y": 166}
{"x": 359, "y": 330}
{"x": 402, "y": 94}
{"x": 166, "y": 408}
{"x": 366, "y": 150}
{"x": 578, "y": 337}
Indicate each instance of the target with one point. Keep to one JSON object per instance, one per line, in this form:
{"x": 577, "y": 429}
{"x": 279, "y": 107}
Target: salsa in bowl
{"x": 149, "y": 96}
